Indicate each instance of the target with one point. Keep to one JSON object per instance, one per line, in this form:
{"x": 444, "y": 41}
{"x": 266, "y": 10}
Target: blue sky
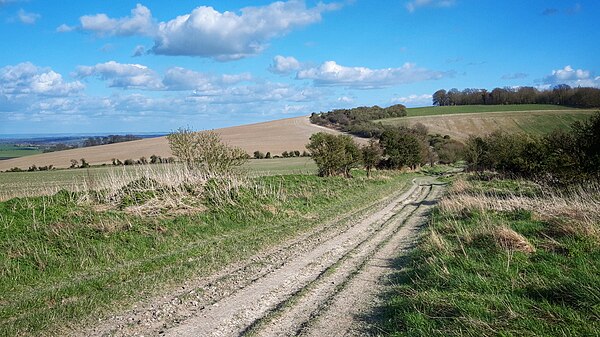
{"x": 142, "y": 66}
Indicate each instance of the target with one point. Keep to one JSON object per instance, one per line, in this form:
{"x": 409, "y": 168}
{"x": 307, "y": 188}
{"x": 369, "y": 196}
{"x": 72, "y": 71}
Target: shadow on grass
{"x": 374, "y": 322}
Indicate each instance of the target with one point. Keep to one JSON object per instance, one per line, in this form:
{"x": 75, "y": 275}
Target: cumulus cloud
{"x": 119, "y": 75}
{"x": 572, "y": 77}
{"x": 412, "y": 6}
{"x": 284, "y": 65}
{"x": 515, "y": 76}
{"x": 27, "y": 78}
{"x": 413, "y": 100}
{"x": 27, "y": 18}
{"x": 332, "y": 74}
{"x": 140, "y": 22}
{"x": 206, "y": 32}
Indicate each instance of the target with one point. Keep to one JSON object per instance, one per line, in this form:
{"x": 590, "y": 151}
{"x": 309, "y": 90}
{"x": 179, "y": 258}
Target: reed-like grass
{"x": 501, "y": 258}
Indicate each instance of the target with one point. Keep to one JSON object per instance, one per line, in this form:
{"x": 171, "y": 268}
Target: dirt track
{"x": 323, "y": 283}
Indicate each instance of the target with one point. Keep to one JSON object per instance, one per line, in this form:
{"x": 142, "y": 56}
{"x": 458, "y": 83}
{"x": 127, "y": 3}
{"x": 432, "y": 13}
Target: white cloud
{"x": 121, "y": 75}
{"x": 65, "y": 28}
{"x": 345, "y": 99}
{"x": 27, "y": 78}
{"x": 206, "y": 32}
{"x": 415, "y": 4}
{"x": 572, "y": 77}
{"x": 184, "y": 79}
{"x": 332, "y": 74}
{"x": 139, "y": 23}
{"x": 284, "y": 65}
{"x": 413, "y": 100}
{"x": 27, "y": 18}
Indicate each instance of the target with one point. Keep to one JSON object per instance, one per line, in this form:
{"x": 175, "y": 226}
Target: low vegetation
{"x": 500, "y": 258}
{"x": 561, "y": 157}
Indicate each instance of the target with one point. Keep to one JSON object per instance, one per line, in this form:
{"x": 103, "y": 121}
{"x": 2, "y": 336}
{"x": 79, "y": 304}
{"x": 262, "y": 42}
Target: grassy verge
{"x": 66, "y": 258}
{"x": 503, "y": 258}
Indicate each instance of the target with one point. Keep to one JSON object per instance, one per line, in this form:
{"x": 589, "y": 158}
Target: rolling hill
{"x": 459, "y": 123}
{"x": 274, "y": 136}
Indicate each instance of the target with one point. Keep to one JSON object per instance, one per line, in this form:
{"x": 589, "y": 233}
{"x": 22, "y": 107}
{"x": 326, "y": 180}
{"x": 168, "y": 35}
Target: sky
{"x": 154, "y": 66}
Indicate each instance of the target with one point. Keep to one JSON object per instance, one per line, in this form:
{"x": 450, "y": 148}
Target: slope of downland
{"x": 461, "y": 123}
{"x": 274, "y": 136}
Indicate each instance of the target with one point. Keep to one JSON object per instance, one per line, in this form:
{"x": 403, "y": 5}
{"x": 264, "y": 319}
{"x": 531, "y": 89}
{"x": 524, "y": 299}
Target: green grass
{"x": 445, "y": 121}
{"x": 461, "y": 109}
{"x": 8, "y": 151}
{"x": 45, "y": 182}
{"x": 65, "y": 261}
{"x": 467, "y": 279}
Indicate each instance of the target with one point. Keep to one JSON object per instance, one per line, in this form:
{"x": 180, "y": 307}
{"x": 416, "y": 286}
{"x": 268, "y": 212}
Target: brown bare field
{"x": 460, "y": 126}
{"x": 274, "y": 136}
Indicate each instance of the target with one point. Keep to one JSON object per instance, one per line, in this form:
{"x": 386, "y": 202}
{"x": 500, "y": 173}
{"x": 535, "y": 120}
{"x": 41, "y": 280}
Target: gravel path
{"x": 319, "y": 284}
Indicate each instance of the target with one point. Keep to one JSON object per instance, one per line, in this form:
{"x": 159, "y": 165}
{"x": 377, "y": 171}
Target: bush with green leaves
{"x": 334, "y": 155}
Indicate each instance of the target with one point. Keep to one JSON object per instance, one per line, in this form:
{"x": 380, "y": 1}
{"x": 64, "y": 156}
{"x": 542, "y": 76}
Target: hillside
{"x": 274, "y": 136}
{"x": 460, "y": 122}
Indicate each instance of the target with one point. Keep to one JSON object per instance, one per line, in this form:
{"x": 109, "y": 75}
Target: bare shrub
{"x": 205, "y": 151}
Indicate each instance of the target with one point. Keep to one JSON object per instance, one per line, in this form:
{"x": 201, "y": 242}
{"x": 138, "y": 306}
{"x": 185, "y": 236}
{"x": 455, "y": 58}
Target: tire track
{"x": 156, "y": 315}
{"x": 282, "y": 302}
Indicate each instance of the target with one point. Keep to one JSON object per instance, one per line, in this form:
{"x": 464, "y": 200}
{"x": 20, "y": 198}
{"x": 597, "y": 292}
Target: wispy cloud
{"x": 27, "y": 18}
{"x": 514, "y": 76}
{"x": 332, "y": 74}
{"x": 416, "y": 4}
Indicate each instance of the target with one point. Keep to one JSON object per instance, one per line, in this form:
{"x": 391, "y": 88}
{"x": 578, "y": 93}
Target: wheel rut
{"x": 322, "y": 288}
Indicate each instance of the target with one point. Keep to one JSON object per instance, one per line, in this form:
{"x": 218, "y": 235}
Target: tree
{"x": 205, "y": 151}
{"x": 258, "y": 155}
{"x": 334, "y": 155}
{"x": 401, "y": 148}
{"x": 371, "y": 155}
{"x": 268, "y": 155}
{"x": 440, "y": 98}
{"x": 84, "y": 163}
{"x": 74, "y": 163}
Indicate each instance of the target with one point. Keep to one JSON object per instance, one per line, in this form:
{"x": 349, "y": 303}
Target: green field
{"x": 8, "y": 151}
{"x": 461, "y": 109}
{"x": 13, "y": 184}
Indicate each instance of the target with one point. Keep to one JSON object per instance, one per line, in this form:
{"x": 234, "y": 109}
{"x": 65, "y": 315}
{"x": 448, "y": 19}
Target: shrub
{"x": 371, "y": 155}
{"x": 334, "y": 155}
{"x": 205, "y": 151}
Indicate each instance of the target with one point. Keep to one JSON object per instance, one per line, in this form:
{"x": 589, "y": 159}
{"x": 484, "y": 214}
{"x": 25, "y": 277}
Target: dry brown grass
{"x": 275, "y": 137}
{"x": 569, "y": 212}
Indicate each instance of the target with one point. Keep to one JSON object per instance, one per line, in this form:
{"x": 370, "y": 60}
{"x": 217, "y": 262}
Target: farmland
{"x": 459, "y": 122}
{"x": 8, "y": 151}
